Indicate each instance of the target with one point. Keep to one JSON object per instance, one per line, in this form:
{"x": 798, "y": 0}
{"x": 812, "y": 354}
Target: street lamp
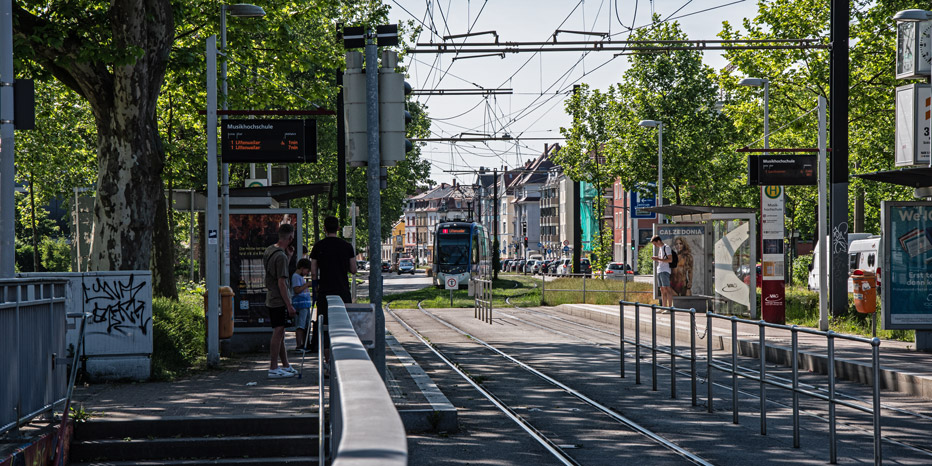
{"x": 758, "y": 82}
{"x": 915, "y": 16}
{"x": 659, "y": 125}
{"x": 240, "y": 10}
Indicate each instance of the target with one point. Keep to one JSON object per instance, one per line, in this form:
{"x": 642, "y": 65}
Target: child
{"x": 301, "y": 301}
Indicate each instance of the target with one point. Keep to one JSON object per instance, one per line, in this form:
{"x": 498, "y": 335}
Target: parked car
{"x": 618, "y": 271}
{"x": 386, "y": 266}
{"x": 362, "y": 265}
{"x": 545, "y": 266}
{"x": 518, "y": 265}
{"x": 406, "y": 266}
{"x": 585, "y": 267}
{"x": 529, "y": 266}
{"x": 560, "y": 266}
{"x": 505, "y": 264}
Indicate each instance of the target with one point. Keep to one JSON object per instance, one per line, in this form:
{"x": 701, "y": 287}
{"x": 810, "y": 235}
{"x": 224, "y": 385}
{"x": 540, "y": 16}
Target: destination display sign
{"x": 264, "y": 141}
{"x": 782, "y": 170}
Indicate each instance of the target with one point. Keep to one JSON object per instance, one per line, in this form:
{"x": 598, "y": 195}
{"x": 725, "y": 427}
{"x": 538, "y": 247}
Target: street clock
{"x": 913, "y": 49}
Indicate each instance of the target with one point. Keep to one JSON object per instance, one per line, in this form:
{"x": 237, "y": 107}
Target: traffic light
{"x": 525, "y": 241}
{"x": 392, "y": 114}
{"x": 354, "y": 110}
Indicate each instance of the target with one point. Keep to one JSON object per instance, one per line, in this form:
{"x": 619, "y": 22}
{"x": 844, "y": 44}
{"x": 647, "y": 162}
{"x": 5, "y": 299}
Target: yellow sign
{"x": 773, "y": 192}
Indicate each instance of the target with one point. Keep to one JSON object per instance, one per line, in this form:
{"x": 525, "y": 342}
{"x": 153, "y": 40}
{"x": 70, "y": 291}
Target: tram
{"x": 461, "y": 251}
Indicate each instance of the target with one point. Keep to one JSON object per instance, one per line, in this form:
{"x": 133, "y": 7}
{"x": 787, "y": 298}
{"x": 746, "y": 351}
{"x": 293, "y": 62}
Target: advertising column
{"x": 773, "y": 303}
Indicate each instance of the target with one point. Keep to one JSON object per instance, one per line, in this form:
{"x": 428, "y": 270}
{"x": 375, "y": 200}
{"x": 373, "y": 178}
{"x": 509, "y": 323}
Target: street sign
{"x": 566, "y": 242}
{"x": 264, "y": 141}
{"x": 782, "y": 170}
{"x": 566, "y": 249}
{"x": 640, "y": 201}
{"x": 452, "y": 283}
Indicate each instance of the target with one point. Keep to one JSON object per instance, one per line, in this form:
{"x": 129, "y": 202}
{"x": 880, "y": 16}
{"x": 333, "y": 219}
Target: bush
{"x": 801, "y": 265}
{"x": 178, "y": 334}
{"x": 645, "y": 264}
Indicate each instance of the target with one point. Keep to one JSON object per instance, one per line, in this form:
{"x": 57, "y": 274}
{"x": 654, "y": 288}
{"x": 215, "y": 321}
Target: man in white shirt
{"x": 663, "y": 271}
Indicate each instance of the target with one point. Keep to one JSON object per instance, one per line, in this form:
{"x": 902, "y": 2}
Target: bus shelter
{"x": 717, "y": 249}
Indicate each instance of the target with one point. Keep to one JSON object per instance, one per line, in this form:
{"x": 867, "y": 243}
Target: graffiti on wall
{"x": 117, "y": 305}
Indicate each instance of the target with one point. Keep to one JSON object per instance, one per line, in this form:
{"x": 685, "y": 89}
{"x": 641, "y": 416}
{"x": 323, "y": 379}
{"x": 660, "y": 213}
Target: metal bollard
{"x": 763, "y": 386}
{"x": 734, "y": 369}
{"x": 708, "y": 358}
{"x": 832, "y": 448}
{"x": 621, "y": 338}
{"x": 584, "y": 288}
{"x": 875, "y": 360}
{"x": 672, "y": 353}
{"x": 795, "y": 356}
{"x": 653, "y": 346}
{"x": 692, "y": 352}
{"x": 637, "y": 343}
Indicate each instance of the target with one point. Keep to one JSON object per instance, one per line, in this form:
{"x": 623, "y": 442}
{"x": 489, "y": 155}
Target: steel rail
{"x": 549, "y": 445}
{"x": 686, "y": 454}
{"x": 886, "y": 437}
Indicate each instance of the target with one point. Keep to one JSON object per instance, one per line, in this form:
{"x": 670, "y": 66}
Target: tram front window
{"x": 453, "y": 253}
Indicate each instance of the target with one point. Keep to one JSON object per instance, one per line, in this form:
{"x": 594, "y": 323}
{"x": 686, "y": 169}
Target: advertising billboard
{"x": 251, "y": 232}
{"x": 689, "y": 242}
{"x": 906, "y": 255}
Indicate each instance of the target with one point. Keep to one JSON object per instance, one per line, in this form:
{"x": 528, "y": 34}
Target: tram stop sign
{"x": 452, "y": 283}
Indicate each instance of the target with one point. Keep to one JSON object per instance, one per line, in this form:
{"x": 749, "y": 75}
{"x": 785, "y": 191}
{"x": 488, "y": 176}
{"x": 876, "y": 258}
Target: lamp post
{"x": 240, "y": 10}
{"x": 659, "y": 126}
{"x": 915, "y": 16}
{"x": 758, "y": 82}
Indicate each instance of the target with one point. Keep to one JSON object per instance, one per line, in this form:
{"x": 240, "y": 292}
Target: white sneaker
{"x": 279, "y": 374}
{"x": 289, "y": 369}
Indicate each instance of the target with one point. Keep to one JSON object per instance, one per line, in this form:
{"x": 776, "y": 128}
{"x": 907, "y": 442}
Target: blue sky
{"x": 539, "y": 81}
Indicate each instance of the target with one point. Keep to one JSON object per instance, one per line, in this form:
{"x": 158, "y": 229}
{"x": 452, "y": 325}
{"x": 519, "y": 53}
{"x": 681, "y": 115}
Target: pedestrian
{"x": 278, "y": 300}
{"x": 663, "y": 271}
{"x": 331, "y": 260}
{"x": 301, "y": 300}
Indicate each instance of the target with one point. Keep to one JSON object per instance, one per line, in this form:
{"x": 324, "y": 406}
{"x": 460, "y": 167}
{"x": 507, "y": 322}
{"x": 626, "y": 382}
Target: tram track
{"x": 748, "y": 371}
{"x": 557, "y": 450}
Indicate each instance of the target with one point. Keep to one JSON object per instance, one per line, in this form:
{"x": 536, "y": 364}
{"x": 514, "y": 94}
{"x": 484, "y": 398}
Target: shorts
{"x": 663, "y": 278}
{"x": 279, "y": 316}
{"x": 303, "y": 318}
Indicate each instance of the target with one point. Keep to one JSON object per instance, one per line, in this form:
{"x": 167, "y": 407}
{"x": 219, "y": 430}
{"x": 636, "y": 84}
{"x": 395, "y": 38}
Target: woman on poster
{"x": 681, "y": 278}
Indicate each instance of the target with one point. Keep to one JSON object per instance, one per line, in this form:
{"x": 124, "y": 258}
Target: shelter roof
{"x": 282, "y": 193}
{"x": 912, "y": 177}
{"x": 696, "y": 213}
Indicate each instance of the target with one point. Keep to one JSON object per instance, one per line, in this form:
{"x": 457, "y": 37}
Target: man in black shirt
{"x": 331, "y": 260}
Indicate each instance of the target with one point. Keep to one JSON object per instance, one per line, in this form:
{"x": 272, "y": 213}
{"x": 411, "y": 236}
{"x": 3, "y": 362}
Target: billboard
{"x": 689, "y": 242}
{"x": 251, "y": 232}
{"x": 906, "y": 255}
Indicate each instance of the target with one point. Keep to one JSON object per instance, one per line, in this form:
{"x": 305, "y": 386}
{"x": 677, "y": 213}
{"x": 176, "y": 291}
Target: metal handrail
{"x": 66, "y": 412}
{"x": 483, "y": 299}
{"x": 761, "y": 374}
{"x": 321, "y": 412}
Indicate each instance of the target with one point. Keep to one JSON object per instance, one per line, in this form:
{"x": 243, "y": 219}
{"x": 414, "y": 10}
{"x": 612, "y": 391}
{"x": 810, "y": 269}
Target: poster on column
{"x": 906, "y": 256}
{"x": 773, "y": 292}
{"x": 689, "y": 242}
{"x": 251, "y": 232}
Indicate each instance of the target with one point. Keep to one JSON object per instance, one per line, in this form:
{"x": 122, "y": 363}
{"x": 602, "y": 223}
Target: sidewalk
{"x": 902, "y": 369}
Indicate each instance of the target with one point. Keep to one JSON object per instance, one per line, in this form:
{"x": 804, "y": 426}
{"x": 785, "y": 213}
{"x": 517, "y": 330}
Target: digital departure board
{"x": 264, "y": 141}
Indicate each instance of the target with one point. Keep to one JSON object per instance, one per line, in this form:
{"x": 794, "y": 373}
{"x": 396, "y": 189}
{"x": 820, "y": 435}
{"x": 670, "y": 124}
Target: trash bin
{"x": 865, "y": 291}
{"x": 226, "y": 312}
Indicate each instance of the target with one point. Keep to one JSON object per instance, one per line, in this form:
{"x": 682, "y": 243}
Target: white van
{"x": 814, "y": 274}
{"x": 864, "y": 254}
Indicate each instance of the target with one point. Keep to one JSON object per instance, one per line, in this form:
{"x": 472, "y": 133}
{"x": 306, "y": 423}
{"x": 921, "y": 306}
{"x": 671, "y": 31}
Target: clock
{"x": 925, "y": 48}
{"x": 906, "y": 50}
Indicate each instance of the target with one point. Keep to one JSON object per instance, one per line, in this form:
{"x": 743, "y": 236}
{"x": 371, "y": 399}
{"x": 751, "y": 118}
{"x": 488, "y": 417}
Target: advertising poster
{"x": 688, "y": 278}
{"x": 907, "y": 265}
{"x": 251, "y": 232}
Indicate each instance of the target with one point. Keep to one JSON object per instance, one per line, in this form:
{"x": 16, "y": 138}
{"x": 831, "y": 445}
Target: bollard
{"x": 832, "y": 448}
{"x": 692, "y": 352}
{"x": 637, "y": 343}
{"x": 653, "y": 346}
{"x": 763, "y": 386}
{"x": 708, "y": 358}
{"x": 672, "y": 353}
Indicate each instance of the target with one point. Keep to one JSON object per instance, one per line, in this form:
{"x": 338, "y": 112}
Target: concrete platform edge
{"x": 442, "y": 416}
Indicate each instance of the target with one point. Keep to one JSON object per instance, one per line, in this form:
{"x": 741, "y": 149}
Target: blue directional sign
{"x": 641, "y": 200}
{"x": 566, "y": 249}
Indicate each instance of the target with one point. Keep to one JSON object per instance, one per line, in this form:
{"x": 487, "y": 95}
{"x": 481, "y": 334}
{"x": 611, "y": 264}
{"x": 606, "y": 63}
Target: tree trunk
{"x": 163, "y": 257}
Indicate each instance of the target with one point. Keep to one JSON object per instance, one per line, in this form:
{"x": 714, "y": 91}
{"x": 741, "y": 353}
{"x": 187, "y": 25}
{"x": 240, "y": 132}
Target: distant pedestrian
{"x": 332, "y": 259}
{"x": 278, "y": 299}
{"x": 663, "y": 271}
{"x": 301, "y": 300}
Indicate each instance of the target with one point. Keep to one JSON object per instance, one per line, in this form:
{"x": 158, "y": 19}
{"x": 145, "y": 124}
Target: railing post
{"x": 875, "y": 360}
{"x": 763, "y": 376}
{"x": 692, "y": 352}
{"x": 621, "y": 338}
{"x": 672, "y": 353}
{"x": 637, "y": 343}
{"x": 584, "y": 288}
{"x": 543, "y": 288}
{"x": 708, "y": 358}
{"x": 832, "y": 448}
{"x": 653, "y": 346}
{"x": 795, "y": 355}
{"x": 734, "y": 369}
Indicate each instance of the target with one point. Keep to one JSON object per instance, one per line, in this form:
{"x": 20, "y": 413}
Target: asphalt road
{"x": 393, "y": 283}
